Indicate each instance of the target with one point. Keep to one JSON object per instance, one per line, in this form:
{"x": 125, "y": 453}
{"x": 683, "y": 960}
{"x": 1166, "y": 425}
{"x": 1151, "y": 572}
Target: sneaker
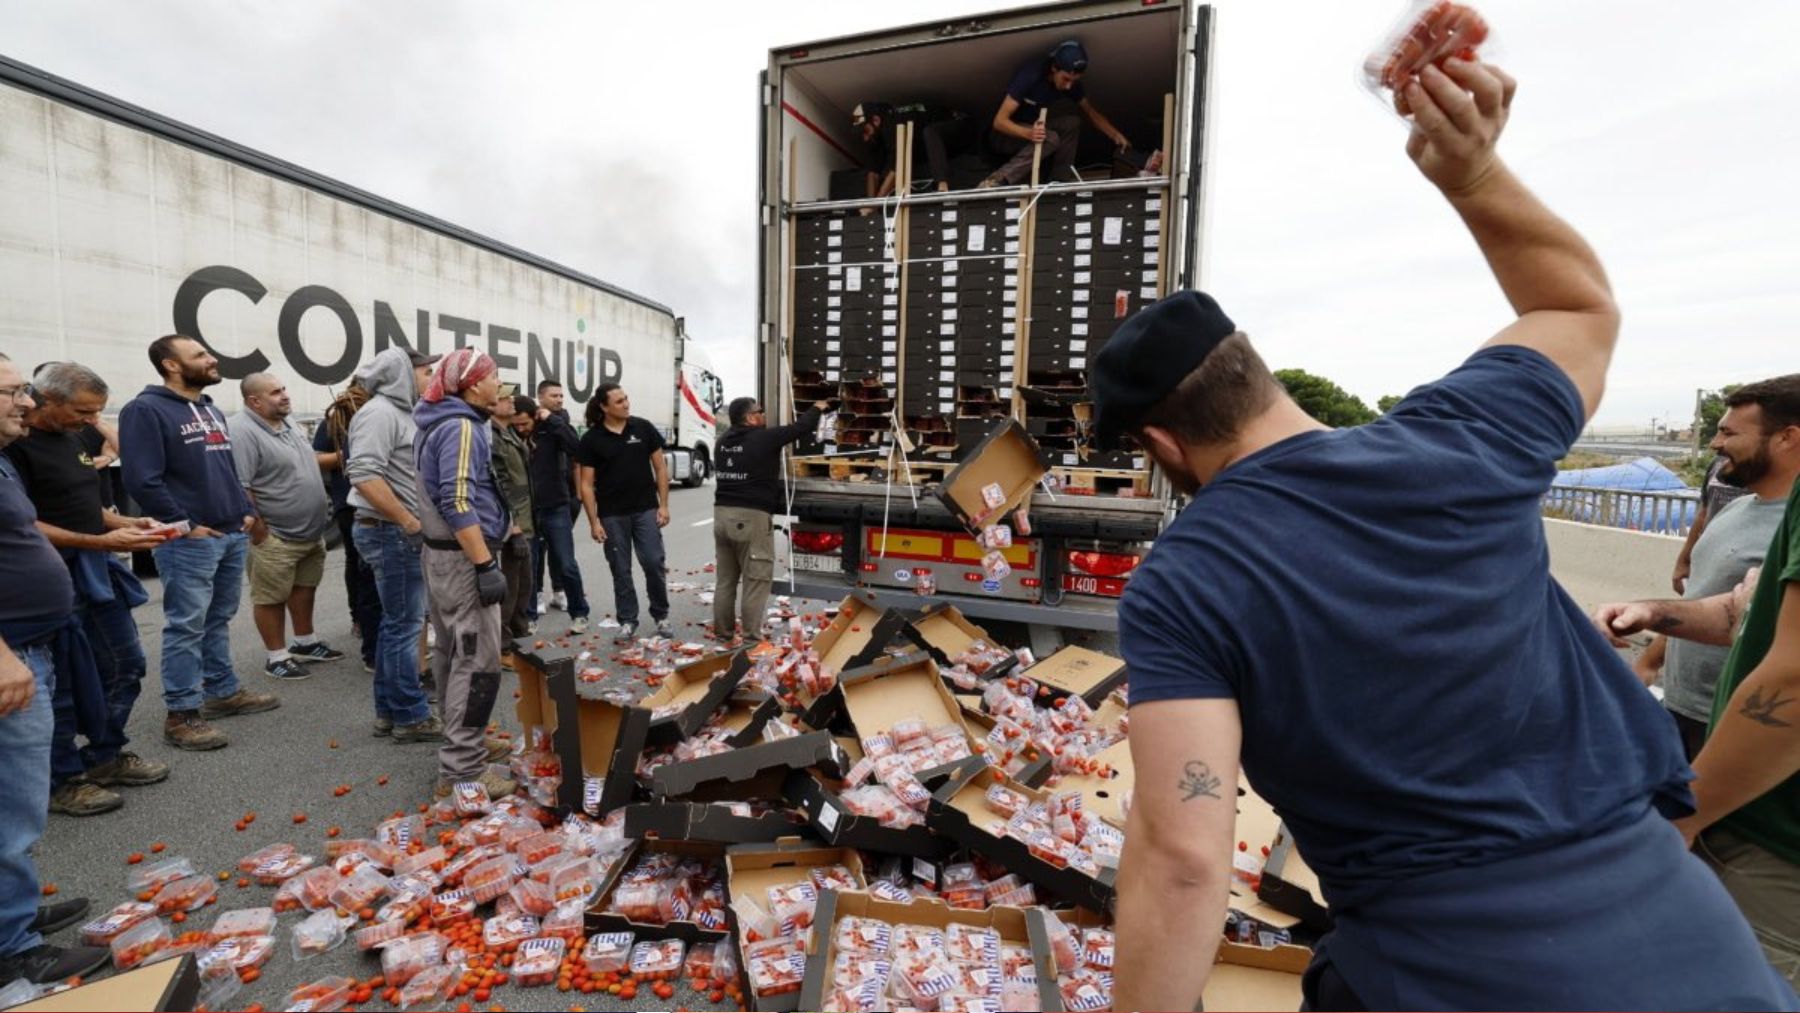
{"x": 383, "y": 727}
{"x": 990, "y": 182}
{"x": 369, "y": 667}
{"x": 316, "y": 651}
{"x": 287, "y": 670}
{"x": 665, "y": 629}
{"x": 559, "y": 600}
{"x": 47, "y": 965}
{"x": 579, "y": 624}
{"x": 129, "y": 769}
{"x": 56, "y": 917}
{"x": 81, "y": 797}
{"x": 241, "y": 702}
{"x": 627, "y": 633}
{"x": 543, "y": 602}
{"x": 185, "y": 730}
{"x": 429, "y": 730}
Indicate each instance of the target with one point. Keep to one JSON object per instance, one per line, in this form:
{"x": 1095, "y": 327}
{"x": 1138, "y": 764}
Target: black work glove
{"x": 490, "y": 583}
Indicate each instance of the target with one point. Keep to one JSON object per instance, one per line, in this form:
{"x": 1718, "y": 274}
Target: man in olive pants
{"x": 748, "y": 494}
{"x": 464, "y": 522}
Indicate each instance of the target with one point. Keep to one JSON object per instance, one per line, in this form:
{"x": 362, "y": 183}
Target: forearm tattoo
{"x": 1762, "y": 711}
{"x": 1197, "y": 779}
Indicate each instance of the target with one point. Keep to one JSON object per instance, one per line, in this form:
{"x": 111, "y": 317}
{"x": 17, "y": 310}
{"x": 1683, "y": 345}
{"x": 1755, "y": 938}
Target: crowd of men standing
{"x": 450, "y": 494}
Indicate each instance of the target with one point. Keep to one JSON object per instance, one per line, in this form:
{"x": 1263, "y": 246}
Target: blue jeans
{"x": 639, "y": 531}
{"x": 202, "y": 579}
{"x": 401, "y": 584}
{"x": 113, "y": 637}
{"x": 24, "y": 803}
{"x": 555, "y": 539}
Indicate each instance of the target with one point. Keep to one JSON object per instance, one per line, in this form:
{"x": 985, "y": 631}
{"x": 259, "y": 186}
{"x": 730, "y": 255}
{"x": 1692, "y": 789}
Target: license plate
{"x": 807, "y": 561}
{"x": 1110, "y": 587}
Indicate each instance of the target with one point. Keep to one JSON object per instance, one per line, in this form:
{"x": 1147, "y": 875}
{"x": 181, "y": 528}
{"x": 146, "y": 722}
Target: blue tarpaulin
{"x": 1570, "y": 499}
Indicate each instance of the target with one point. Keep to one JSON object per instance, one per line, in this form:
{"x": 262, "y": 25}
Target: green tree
{"x": 1324, "y": 400}
{"x": 1712, "y": 409}
{"x": 1387, "y": 402}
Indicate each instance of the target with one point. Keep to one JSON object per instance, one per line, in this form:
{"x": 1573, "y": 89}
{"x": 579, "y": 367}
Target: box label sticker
{"x": 852, "y": 279}
{"x": 1077, "y": 344}
{"x": 1083, "y": 277}
{"x": 834, "y": 241}
{"x": 828, "y": 817}
{"x": 835, "y": 225}
{"x": 1078, "y": 312}
{"x": 1083, "y": 260}
{"x": 977, "y": 238}
{"x": 1112, "y": 231}
{"x": 1080, "y": 295}
{"x": 1086, "y": 228}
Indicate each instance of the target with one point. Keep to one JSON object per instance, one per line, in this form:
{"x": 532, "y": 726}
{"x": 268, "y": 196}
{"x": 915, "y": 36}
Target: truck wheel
{"x": 697, "y": 470}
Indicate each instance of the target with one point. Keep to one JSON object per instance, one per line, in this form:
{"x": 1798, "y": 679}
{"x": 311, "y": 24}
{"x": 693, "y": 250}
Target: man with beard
{"x": 1458, "y": 755}
{"x": 1747, "y": 776}
{"x": 554, "y": 508}
{"x": 1736, "y": 538}
{"x": 178, "y": 466}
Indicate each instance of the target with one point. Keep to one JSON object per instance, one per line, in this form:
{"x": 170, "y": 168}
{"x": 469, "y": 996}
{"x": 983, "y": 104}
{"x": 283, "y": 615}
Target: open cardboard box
{"x": 835, "y": 824}
{"x": 691, "y": 694}
{"x": 711, "y": 775}
{"x": 1010, "y": 923}
{"x": 1290, "y": 886}
{"x": 746, "y": 715}
{"x": 1008, "y": 459}
{"x": 751, "y": 869}
{"x": 981, "y": 725}
{"x": 1253, "y": 978}
{"x": 1077, "y": 671}
{"x": 709, "y": 822}
{"x": 959, "y": 811}
{"x": 851, "y": 639}
{"x": 946, "y": 634}
{"x": 595, "y": 737}
{"x": 600, "y": 920}
{"x": 172, "y": 984}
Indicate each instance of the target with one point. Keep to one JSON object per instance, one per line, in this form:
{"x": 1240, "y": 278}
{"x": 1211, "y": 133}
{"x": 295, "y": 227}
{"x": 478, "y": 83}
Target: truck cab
{"x": 699, "y": 411}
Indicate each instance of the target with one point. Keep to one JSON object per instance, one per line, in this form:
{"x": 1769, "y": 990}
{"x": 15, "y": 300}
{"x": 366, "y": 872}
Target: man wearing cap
{"x": 1017, "y": 127}
{"x": 1480, "y": 783}
{"x": 465, "y": 522}
{"x": 385, "y": 492}
{"x": 878, "y": 124}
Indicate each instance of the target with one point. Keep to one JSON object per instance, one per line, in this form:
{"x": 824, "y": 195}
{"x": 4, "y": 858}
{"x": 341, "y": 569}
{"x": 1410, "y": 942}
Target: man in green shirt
{"x": 511, "y": 455}
{"x": 1747, "y": 778}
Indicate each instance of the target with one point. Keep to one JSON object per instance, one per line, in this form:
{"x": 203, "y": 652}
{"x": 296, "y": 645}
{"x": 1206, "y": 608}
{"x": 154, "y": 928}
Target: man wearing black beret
{"x": 1364, "y": 619}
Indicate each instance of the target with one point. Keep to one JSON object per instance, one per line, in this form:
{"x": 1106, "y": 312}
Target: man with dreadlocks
{"x": 465, "y": 523}
{"x": 332, "y": 443}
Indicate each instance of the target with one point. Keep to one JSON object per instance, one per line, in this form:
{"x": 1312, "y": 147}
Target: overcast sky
{"x": 619, "y": 138}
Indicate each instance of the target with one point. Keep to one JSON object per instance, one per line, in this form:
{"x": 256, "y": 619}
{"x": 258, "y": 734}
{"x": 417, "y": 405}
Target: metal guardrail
{"x": 1662, "y": 513}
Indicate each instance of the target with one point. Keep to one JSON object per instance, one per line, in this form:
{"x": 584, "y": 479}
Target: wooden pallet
{"x": 867, "y": 469}
{"x": 1102, "y": 482}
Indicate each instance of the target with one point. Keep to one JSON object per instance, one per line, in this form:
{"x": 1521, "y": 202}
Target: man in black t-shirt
{"x": 938, "y": 128}
{"x": 58, "y": 474}
{"x": 746, "y": 499}
{"x": 625, "y": 492}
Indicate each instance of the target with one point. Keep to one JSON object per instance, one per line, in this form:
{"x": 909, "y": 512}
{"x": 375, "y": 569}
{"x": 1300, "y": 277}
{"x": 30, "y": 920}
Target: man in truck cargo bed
{"x": 1033, "y": 90}
{"x": 1480, "y": 783}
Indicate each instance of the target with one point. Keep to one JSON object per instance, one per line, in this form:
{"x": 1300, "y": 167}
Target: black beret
{"x": 1149, "y": 355}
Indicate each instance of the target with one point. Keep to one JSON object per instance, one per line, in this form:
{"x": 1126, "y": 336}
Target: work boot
{"x": 383, "y": 727}
{"x": 241, "y": 702}
{"x": 497, "y": 749}
{"x": 185, "y": 730}
{"x": 84, "y": 798}
{"x": 129, "y": 770}
{"x": 56, "y": 917}
{"x": 498, "y": 785}
{"x": 429, "y": 730}
{"x": 46, "y": 964}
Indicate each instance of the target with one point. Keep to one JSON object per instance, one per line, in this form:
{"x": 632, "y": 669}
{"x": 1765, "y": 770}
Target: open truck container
{"x": 935, "y": 317}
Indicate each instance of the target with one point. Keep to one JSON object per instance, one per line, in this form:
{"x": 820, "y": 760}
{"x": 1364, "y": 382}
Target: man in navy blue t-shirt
{"x": 1364, "y": 619}
{"x": 1033, "y": 90}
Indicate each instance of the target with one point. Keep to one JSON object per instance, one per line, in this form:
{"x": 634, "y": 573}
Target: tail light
{"x": 818, "y": 542}
{"x": 1104, "y": 564}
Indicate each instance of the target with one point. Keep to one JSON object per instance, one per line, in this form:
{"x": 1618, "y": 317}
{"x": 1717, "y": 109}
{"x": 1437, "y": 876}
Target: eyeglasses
{"x": 15, "y": 392}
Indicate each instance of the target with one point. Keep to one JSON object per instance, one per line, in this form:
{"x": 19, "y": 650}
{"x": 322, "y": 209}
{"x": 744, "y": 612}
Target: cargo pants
{"x": 466, "y": 662}
{"x": 744, "y": 540}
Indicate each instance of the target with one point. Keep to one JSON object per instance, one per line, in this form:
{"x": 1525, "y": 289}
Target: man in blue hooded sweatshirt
{"x": 465, "y": 522}
{"x": 177, "y": 461}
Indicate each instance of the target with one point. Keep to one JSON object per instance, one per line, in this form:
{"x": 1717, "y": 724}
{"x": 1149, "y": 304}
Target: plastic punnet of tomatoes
{"x": 1428, "y": 32}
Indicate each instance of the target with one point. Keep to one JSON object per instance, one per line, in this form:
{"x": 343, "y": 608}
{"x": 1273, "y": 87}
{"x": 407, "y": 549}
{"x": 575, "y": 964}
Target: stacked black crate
{"x": 847, "y": 325}
{"x": 1095, "y": 262}
{"x": 961, "y": 321}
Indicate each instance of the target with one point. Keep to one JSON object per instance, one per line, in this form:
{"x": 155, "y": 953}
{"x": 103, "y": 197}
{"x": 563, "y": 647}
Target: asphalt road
{"x": 288, "y": 761}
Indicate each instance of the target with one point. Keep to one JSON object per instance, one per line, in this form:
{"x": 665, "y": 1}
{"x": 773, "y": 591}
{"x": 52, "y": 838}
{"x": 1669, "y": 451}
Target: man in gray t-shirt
{"x": 1734, "y": 541}
{"x": 280, "y": 471}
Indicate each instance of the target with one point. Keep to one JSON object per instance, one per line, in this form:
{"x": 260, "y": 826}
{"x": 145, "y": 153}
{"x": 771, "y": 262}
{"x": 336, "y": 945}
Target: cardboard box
{"x": 1252, "y": 978}
{"x": 751, "y": 869}
{"x": 746, "y": 715}
{"x": 598, "y": 920}
{"x": 1037, "y": 763}
{"x": 811, "y": 749}
{"x": 1008, "y": 458}
{"x": 692, "y": 693}
{"x": 708, "y": 822}
{"x": 959, "y": 812}
{"x": 850, "y": 640}
{"x": 835, "y": 824}
{"x": 870, "y": 700}
{"x": 1077, "y": 671}
{"x": 1011, "y": 923}
{"x": 172, "y": 984}
{"x": 590, "y": 736}
{"x": 1291, "y": 887}
{"x": 946, "y": 634}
